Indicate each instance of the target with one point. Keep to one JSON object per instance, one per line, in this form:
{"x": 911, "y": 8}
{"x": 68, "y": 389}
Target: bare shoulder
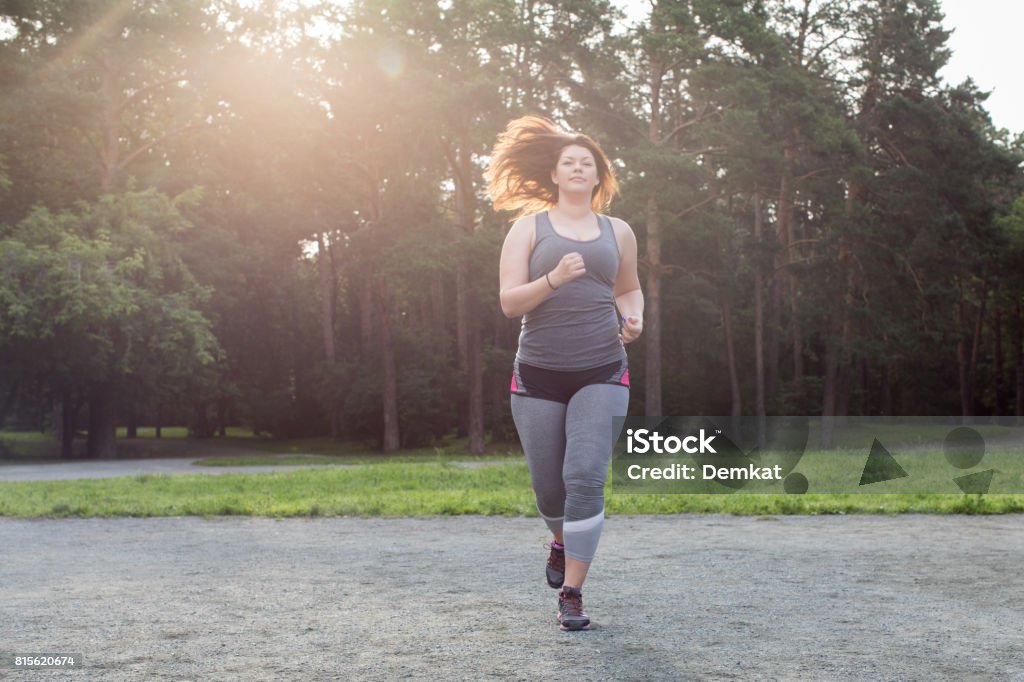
{"x": 523, "y": 231}
{"x": 623, "y": 232}
{"x": 524, "y": 224}
{"x": 619, "y": 224}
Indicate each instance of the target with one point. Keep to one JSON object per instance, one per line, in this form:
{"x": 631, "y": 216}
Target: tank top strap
{"x": 606, "y": 227}
{"x": 544, "y": 227}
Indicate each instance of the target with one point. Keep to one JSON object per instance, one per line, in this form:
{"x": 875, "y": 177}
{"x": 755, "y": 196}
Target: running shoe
{"x": 570, "y": 610}
{"x": 556, "y": 566}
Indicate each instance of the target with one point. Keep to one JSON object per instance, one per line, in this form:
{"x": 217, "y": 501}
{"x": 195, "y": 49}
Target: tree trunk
{"x": 59, "y": 416}
{"x": 759, "y": 325}
{"x": 473, "y": 365}
{"x": 979, "y": 326}
{"x": 997, "y": 354}
{"x": 462, "y": 343}
{"x": 102, "y": 424}
{"x": 652, "y": 295}
{"x": 327, "y": 319}
{"x": 131, "y": 420}
{"x": 462, "y": 313}
{"x": 828, "y": 407}
{"x": 1018, "y": 355}
{"x": 439, "y": 313}
{"x": 468, "y": 323}
{"x": 730, "y": 351}
{"x": 130, "y": 405}
{"x": 366, "y": 316}
{"x": 65, "y": 412}
{"x": 477, "y": 444}
{"x": 202, "y": 422}
{"x": 966, "y": 400}
{"x": 222, "y": 417}
{"x": 886, "y": 407}
{"x": 652, "y": 312}
{"x": 835, "y": 351}
{"x": 390, "y": 440}
{"x": 772, "y": 337}
{"x": 471, "y": 406}
{"x": 784, "y": 230}
{"x": 843, "y": 386}
{"x": 865, "y": 386}
{"x": 12, "y": 394}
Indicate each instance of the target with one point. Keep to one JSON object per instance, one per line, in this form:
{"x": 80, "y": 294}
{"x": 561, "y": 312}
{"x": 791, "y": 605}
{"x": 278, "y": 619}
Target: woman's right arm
{"x": 518, "y": 294}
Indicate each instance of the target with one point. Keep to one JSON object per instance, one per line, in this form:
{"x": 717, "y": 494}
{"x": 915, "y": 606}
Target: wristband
{"x": 553, "y": 287}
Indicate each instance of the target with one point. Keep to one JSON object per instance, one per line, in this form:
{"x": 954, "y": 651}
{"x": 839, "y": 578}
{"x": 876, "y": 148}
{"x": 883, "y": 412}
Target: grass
{"x": 435, "y": 481}
{"x": 419, "y": 489}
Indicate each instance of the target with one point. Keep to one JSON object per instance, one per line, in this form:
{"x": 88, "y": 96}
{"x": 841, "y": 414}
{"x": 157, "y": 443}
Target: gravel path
{"x": 680, "y": 597}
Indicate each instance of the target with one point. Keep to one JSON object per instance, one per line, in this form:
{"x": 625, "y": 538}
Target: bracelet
{"x": 553, "y": 287}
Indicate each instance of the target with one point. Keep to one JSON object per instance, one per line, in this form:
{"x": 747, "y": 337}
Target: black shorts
{"x": 560, "y": 386}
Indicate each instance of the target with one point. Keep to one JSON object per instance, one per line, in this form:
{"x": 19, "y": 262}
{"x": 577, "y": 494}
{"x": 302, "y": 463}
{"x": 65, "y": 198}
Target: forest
{"x": 274, "y": 214}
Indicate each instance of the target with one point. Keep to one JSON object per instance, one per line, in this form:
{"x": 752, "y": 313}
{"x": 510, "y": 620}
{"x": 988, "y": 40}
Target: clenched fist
{"x": 632, "y": 328}
{"x": 569, "y": 268}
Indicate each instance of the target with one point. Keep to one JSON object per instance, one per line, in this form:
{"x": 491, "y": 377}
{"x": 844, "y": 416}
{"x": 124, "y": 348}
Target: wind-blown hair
{"x": 522, "y": 161}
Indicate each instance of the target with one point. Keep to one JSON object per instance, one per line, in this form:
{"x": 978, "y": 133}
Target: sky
{"x": 985, "y": 47}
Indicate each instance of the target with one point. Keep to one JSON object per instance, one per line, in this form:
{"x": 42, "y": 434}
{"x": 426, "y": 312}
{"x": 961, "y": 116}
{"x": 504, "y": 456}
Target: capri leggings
{"x": 564, "y": 420}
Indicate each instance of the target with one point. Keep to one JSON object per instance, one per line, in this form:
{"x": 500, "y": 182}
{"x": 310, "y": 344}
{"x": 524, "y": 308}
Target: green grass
{"x": 418, "y": 489}
{"x": 431, "y": 481}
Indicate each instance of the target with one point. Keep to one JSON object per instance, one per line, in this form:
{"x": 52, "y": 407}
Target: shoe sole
{"x": 566, "y": 629}
{"x": 569, "y": 628}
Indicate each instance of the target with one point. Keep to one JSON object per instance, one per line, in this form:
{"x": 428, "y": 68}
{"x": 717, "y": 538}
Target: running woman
{"x": 570, "y": 273}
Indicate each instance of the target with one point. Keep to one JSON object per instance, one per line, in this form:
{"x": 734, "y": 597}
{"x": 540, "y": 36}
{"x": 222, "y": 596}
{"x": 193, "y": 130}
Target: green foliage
{"x": 103, "y": 293}
{"x": 366, "y": 127}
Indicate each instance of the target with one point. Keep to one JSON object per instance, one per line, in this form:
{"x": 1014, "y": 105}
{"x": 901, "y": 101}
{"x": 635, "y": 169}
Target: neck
{"x": 574, "y": 206}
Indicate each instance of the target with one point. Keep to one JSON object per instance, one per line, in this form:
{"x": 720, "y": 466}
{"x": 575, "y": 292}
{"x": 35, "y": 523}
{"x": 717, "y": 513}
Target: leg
{"x": 541, "y": 427}
{"x": 589, "y": 443}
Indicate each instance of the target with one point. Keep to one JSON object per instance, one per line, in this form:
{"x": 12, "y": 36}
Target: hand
{"x": 569, "y": 268}
{"x": 632, "y": 328}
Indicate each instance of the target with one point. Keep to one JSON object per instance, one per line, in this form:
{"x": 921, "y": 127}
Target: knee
{"x": 551, "y": 505}
{"x": 584, "y": 486}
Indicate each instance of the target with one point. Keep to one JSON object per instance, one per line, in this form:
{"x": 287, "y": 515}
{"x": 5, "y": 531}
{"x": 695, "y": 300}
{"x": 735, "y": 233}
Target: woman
{"x": 566, "y": 269}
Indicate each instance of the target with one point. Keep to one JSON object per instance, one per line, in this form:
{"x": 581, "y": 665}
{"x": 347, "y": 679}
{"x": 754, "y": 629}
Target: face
{"x": 576, "y": 170}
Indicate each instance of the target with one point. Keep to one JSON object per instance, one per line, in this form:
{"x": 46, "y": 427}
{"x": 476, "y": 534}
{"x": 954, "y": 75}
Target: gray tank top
{"x": 577, "y": 326}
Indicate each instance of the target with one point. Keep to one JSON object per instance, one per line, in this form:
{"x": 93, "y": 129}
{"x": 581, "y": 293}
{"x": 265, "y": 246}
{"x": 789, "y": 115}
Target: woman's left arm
{"x": 629, "y": 298}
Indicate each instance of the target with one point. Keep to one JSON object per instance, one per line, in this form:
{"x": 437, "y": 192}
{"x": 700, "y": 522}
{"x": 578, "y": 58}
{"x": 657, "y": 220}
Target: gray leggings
{"x": 568, "y": 448}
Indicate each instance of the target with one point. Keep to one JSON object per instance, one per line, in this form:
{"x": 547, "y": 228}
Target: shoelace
{"x": 572, "y": 604}
{"x": 556, "y": 559}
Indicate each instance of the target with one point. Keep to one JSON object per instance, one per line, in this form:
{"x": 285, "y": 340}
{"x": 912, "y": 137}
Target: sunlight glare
{"x": 390, "y": 61}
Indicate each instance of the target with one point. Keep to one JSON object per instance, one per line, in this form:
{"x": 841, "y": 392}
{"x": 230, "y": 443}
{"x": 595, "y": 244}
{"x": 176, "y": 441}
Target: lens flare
{"x": 390, "y": 61}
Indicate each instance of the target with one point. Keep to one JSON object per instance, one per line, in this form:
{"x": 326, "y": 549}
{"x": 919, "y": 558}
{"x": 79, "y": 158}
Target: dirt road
{"x": 681, "y": 597}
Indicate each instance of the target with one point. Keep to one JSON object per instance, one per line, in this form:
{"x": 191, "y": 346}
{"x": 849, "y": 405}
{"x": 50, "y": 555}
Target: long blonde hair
{"x": 521, "y": 164}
